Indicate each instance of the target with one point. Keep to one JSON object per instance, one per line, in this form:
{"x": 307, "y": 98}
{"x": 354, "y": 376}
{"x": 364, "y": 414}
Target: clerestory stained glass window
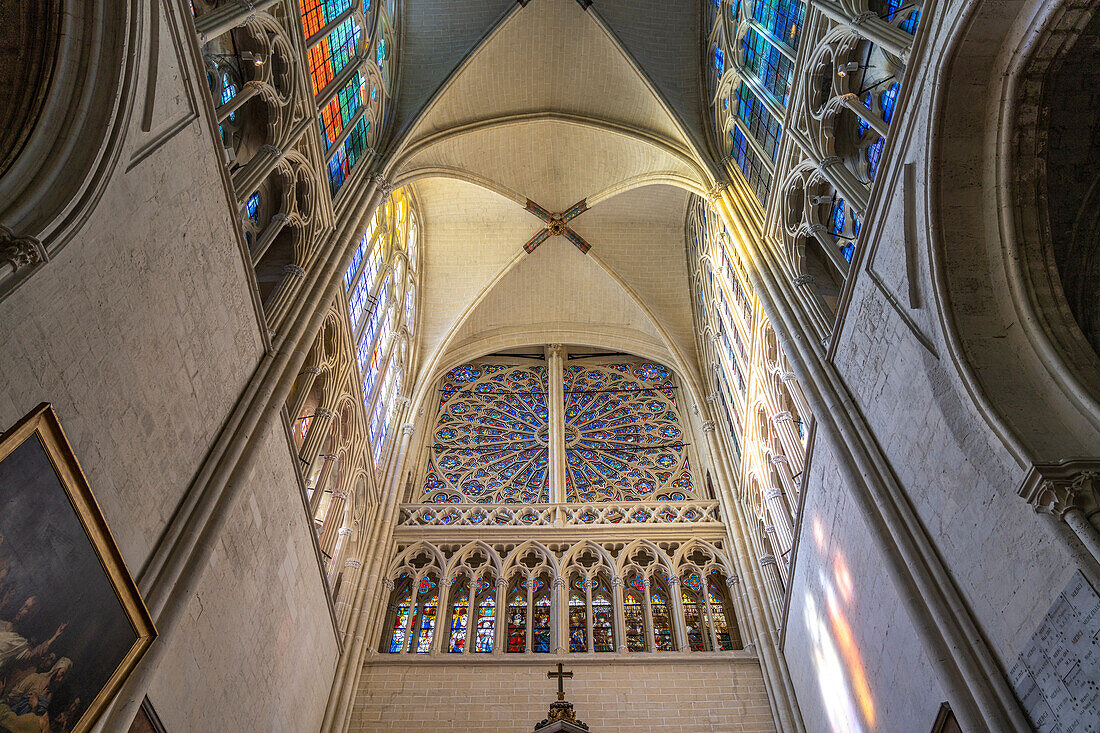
{"x": 623, "y": 436}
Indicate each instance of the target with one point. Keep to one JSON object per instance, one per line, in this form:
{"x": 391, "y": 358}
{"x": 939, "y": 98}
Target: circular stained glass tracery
{"x": 623, "y": 437}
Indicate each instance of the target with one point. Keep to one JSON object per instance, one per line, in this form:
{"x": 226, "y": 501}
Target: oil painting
{"x": 72, "y": 624}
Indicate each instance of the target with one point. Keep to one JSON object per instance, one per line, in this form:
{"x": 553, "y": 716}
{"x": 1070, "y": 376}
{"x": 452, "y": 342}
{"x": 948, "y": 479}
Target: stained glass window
{"x": 485, "y": 623}
{"x": 426, "y": 604}
{"x": 540, "y": 618}
{"x": 624, "y": 440}
{"x": 662, "y": 620}
{"x": 623, "y": 437}
{"x": 401, "y": 622}
{"x": 578, "y": 616}
{"x": 490, "y": 442}
{"x": 603, "y": 634}
{"x": 460, "y": 615}
{"x": 634, "y": 618}
{"x": 252, "y": 207}
{"x": 517, "y": 618}
{"x": 716, "y": 594}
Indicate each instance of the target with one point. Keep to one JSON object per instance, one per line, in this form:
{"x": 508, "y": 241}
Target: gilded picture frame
{"x": 72, "y": 623}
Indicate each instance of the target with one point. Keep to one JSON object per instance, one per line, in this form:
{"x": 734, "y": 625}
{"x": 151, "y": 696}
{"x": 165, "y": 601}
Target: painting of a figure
{"x": 71, "y": 622}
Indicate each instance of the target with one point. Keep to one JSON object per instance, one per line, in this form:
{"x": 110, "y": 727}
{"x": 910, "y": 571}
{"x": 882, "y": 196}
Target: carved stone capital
{"x": 19, "y": 252}
{"x": 1058, "y": 489}
{"x": 674, "y": 581}
{"x": 502, "y": 582}
{"x": 708, "y": 426}
{"x": 323, "y": 413}
{"x": 617, "y": 581}
{"x": 356, "y": 564}
{"x": 803, "y": 280}
{"x": 280, "y": 218}
{"x": 831, "y": 161}
{"x": 408, "y": 428}
{"x": 772, "y": 494}
{"x": 712, "y": 397}
{"x": 383, "y": 185}
{"x": 786, "y": 376}
{"x": 818, "y": 229}
{"x": 559, "y": 582}
{"x": 776, "y": 460}
{"x": 784, "y": 416}
{"x": 387, "y": 584}
{"x": 294, "y": 271}
{"x": 716, "y": 190}
{"x": 767, "y": 560}
{"x": 769, "y": 529}
{"x": 271, "y": 150}
{"x": 344, "y": 532}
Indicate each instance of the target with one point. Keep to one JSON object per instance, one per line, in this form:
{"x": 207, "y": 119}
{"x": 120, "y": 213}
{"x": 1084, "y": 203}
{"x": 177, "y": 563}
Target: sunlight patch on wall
{"x": 838, "y": 664}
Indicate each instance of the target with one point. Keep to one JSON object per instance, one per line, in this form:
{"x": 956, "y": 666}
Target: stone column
{"x": 306, "y": 378}
{"x": 274, "y": 226}
{"x": 618, "y": 613}
{"x": 247, "y": 178}
{"x": 856, "y": 105}
{"x": 679, "y": 626}
{"x": 328, "y": 460}
{"x": 229, "y": 16}
{"x": 278, "y": 302}
{"x": 500, "y": 630}
{"x": 316, "y": 436}
{"x": 443, "y": 615}
{"x": 741, "y": 614}
{"x": 561, "y": 603}
{"x": 343, "y": 608}
{"x": 795, "y": 391}
{"x": 773, "y": 582}
{"x": 333, "y": 521}
{"x": 339, "y": 556}
{"x": 829, "y": 246}
{"x": 788, "y": 438}
{"x": 781, "y": 519}
{"x": 769, "y": 533}
{"x": 870, "y": 26}
{"x": 247, "y": 92}
{"x": 555, "y": 362}
{"x": 842, "y": 179}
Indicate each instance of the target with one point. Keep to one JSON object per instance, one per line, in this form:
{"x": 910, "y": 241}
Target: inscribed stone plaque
{"x": 1057, "y": 675}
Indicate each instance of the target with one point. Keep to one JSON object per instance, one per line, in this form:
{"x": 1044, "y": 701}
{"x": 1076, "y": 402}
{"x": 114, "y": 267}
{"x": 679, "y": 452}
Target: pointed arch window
{"x": 517, "y": 615}
{"x": 578, "y": 615}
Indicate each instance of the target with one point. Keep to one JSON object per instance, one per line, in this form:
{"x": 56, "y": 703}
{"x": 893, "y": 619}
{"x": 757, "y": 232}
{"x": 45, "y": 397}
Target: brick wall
{"x": 613, "y": 696}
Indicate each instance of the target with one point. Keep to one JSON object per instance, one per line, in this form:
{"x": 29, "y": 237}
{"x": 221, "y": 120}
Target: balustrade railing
{"x": 559, "y": 515}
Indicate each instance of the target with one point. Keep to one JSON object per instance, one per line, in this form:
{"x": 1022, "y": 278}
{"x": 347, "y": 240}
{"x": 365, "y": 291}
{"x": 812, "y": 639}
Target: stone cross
{"x": 562, "y": 677}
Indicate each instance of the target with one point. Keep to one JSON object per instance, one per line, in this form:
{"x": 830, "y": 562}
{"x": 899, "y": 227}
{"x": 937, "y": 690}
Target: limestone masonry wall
{"x": 613, "y": 696}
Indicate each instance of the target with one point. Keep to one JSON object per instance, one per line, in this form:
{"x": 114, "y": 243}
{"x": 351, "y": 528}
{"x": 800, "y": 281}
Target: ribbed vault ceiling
{"x": 556, "y": 104}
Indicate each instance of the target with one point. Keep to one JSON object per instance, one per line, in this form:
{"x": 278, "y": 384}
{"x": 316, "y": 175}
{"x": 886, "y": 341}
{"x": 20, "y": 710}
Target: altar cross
{"x": 562, "y": 677}
{"x": 556, "y": 225}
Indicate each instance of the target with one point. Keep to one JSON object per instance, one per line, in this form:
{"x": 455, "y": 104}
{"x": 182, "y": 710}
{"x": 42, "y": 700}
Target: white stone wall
{"x": 1009, "y": 562}
{"x": 142, "y": 333}
{"x": 613, "y": 696}
{"x": 854, "y": 657}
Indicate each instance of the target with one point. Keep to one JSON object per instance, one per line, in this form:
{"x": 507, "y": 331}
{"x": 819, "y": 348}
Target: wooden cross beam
{"x": 562, "y": 677}
{"x": 556, "y": 225}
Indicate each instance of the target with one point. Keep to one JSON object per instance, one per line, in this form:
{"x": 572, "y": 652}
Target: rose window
{"x": 623, "y": 436}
